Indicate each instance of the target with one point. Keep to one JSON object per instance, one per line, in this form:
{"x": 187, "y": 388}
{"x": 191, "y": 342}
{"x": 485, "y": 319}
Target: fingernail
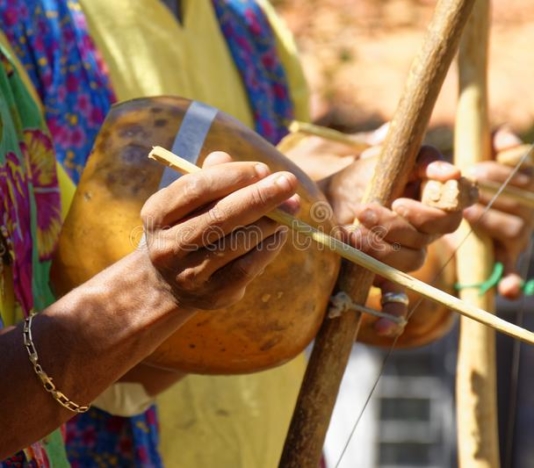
{"x": 368, "y": 218}
{"x": 440, "y": 166}
{"x": 283, "y": 182}
{"x": 402, "y": 210}
{"x": 262, "y": 170}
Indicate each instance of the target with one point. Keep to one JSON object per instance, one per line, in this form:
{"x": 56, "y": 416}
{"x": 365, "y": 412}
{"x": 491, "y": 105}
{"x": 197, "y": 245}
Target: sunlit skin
{"x": 145, "y": 297}
{"x": 507, "y": 223}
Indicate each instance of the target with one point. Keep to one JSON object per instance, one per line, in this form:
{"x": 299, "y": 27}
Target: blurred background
{"x": 357, "y": 54}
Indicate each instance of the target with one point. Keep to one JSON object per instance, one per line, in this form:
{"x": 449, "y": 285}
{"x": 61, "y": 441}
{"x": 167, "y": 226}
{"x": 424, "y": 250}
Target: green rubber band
{"x": 491, "y": 282}
{"x": 528, "y": 287}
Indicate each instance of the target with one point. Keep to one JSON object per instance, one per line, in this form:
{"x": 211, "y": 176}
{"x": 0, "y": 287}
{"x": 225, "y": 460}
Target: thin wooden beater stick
{"x": 348, "y": 252}
{"x": 328, "y": 134}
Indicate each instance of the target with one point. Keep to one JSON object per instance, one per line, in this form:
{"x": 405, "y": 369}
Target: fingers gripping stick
{"x": 353, "y": 255}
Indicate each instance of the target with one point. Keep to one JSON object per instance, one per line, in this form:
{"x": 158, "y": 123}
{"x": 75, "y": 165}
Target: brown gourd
{"x": 282, "y": 309}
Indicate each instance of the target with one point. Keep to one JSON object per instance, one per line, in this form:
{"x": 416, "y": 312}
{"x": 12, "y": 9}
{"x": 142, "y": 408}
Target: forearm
{"x": 85, "y": 342}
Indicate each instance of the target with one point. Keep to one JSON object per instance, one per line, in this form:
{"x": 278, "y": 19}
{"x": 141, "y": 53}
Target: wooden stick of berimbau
{"x": 354, "y": 255}
{"x": 354, "y": 141}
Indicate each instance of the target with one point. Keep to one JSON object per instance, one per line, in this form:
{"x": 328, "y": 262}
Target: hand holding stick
{"x": 355, "y": 256}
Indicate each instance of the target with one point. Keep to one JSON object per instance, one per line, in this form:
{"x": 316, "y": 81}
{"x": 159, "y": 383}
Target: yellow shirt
{"x": 149, "y": 53}
{"x": 206, "y": 421}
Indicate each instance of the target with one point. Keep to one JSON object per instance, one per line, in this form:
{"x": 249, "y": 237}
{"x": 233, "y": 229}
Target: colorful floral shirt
{"x": 30, "y": 215}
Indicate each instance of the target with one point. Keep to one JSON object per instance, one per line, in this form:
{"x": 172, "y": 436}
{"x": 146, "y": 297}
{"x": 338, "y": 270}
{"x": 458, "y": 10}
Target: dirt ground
{"x": 357, "y": 54}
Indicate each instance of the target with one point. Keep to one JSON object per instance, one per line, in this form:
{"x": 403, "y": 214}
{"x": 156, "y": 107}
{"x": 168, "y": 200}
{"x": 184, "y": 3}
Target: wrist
{"x": 102, "y": 329}
{"x": 131, "y": 300}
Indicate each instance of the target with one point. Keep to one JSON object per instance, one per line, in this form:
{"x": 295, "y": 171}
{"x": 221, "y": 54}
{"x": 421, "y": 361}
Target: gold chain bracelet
{"x": 43, "y": 377}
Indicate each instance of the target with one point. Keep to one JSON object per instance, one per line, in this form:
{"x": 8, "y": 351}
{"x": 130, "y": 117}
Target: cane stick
{"x": 357, "y": 142}
{"x": 334, "y": 341}
{"x": 476, "y": 389}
